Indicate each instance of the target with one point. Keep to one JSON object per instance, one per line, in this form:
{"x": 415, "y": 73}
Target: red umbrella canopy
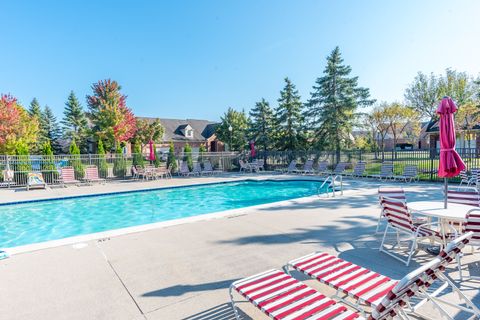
{"x": 252, "y": 149}
{"x": 152, "y": 153}
{"x": 450, "y": 162}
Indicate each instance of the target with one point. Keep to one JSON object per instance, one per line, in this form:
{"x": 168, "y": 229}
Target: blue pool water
{"x": 33, "y": 222}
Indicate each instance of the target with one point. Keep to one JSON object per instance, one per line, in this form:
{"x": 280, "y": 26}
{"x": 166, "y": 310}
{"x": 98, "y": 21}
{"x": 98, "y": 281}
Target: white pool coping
{"x": 162, "y": 224}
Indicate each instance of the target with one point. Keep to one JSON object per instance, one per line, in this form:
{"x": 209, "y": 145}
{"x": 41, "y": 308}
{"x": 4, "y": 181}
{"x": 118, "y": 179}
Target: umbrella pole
{"x": 445, "y": 185}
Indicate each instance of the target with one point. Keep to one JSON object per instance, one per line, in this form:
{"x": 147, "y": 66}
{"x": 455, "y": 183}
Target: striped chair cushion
{"x": 473, "y": 225}
{"x": 91, "y": 173}
{"x": 282, "y": 297}
{"x": 469, "y": 197}
{"x": 68, "y": 175}
{"x": 395, "y": 193}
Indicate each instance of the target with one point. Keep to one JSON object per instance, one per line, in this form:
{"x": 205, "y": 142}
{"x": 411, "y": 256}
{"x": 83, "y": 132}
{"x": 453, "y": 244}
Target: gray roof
{"x": 202, "y": 129}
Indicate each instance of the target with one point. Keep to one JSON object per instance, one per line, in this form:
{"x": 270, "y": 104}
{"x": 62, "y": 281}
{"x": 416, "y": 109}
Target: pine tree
{"x": 289, "y": 118}
{"x": 51, "y": 129}
{"x": 75, "y": 160}
{"x": 75, "y": 121}
{"x": 138, "y": 156}
{"x": 333, "y": 103}
{"x": 262, "y": 125}
{"x": 172, "y": 160}
{"x": 187, "y": 156}
{"x": 35, "y": 111}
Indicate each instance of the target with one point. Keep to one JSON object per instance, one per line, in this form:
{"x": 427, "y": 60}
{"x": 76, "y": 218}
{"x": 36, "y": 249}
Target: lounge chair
{"x": 322, "y": 167}
{"x": 307, "y": 168}
{"x": 91, "y": 175}
{"x": 8, "y": 176}
{"x": 184, "y": 170}
{"x": 67, "y": 176}
{"x": 280, "y": 296}
{"x": 358, "y": 170}
{"x": 410, "y": 173}
{"x": 369, "y": 289}
{"x": 35, "y": 181}
{"x": 401, "y": 221}
{"x": 197, "y": 169}
{"x": 208, "y": 168}
{"x": 339, "y": 169}
{"x": 386, "y": 171}
{"x": 292, "y": 167}
{"x": 163, "y": 172}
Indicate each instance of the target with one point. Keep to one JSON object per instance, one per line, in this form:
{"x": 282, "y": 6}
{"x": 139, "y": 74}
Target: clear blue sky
{"x": 194, "y": 59}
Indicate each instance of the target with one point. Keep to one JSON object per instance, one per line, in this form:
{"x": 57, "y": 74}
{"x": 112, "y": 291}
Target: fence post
{"x": 432, "y": 155}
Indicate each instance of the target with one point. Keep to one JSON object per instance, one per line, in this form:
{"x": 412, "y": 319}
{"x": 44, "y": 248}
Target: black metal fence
{"x": 427, "y": 161}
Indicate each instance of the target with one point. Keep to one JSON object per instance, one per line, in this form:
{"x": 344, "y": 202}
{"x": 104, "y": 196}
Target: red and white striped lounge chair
{"x": 400, "y": 220}
{"x": 91, "y": 175}
{"x": 280, "y": 296}
{"x": 369, "y": 289}
{"x": 67, "y": 176}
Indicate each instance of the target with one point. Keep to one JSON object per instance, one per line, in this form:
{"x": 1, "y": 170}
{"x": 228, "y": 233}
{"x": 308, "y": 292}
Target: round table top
{"x": 454, "y": 211}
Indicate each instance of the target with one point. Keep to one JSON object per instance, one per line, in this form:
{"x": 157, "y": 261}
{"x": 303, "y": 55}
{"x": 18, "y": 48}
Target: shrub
{"x": 119, "y": 165}
{"x": 75, "y": 160}
{"x": 102, "y": 161}
{"x": 138, "y": 160}
{"x": 187, "y": 151}
{"x": 49, "y": 170}
{"x": 172, "y": 160}
{"x": 157, "y": 161}
{"x": 23, "y": 165}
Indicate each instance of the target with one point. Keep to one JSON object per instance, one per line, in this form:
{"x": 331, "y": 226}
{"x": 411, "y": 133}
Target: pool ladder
{"x": 331, "y": 186}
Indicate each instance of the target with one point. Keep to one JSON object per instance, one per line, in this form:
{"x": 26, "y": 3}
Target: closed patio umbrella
{"x": 450, "y": 162}
{"x": 252, "y": 149}
{"x": 151, "y": 156}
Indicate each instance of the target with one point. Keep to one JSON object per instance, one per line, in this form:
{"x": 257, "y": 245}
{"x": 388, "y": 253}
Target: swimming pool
{"x": 34, "y": 222}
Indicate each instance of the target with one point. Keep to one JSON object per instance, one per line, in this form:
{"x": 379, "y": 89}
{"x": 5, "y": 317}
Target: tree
{"x": 400, "y": 118}
{"x": 48, "y": 163}
{"x": 16, "y": 125}
{"x": 51, "y": 129}
{"x": 157, "y": 161}
{"x": 466, "y": 118}
{"x": 201, "y": 150}
{"x": 379, "y": 125}
{"x": 102, "y": 161}
{"x": 75, "y": 160}
{"x": 289, "y": 118}
{"x": 172, "y": 160}
{"x": 238, "y": 122}
{"x": 138, "y": 160}
{"x": 333, "y": 103}
{"x": 425, "y": 92}
{"x": 187, "y": 156}
{"x": 23, "y": 164}
{"x": 119, "y": 164}
{"x": 147, "y": 131}
{"x": 75, "y": 124}
{"x": 262, "y": 126}
{"x": 35, "y": 111}
{"x": 113, "y": 121}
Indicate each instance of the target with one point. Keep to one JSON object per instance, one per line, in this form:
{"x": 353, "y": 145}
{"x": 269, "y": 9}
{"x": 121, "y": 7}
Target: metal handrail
{"x": 332, "y": 179}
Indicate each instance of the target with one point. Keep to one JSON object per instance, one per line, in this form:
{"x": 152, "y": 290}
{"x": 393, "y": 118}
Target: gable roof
{"x": 202, "y": 129}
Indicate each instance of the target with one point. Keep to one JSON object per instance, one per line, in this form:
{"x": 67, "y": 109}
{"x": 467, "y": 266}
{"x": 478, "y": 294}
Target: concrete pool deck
{"x": 183, "y": 271}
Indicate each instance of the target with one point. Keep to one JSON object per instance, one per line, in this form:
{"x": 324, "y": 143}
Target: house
{"x": 465, "y": 140}
{"x": 182, "y": 131}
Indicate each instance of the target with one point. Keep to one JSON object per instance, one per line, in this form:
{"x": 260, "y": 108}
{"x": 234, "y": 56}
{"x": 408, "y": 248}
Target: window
{"x": 189, "y": 133}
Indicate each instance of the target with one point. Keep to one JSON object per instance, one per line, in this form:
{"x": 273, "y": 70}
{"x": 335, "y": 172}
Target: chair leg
{"x": 383, "y": 240}
{"x": 237, "y": 316}
{"x": 412, "y": 250}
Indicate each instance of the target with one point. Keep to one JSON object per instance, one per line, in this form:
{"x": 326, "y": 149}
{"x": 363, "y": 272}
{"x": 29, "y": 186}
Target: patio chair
{"x": 163, "y": 172}
{"x": 208, "y": 168}
{"x": 463, "y": 195}
{"x": 184, "y": 170}
{"x": 400, "y": 220}
{"x": 244, "y": 166}
{"x": 307, "y": 168}
{"x": 197, "y": 169}
{"x": 67, "y": 176}
{"x": 388, "y": 192}
{"x": 339, "y": 168}
{"x": 280, "y": 296}
{"x": 91, "y": 175}
{"x": 370, "y": 290}
{"x": 8, "y": 176}
{"x": 292, "y": 167}
{"x": 465, "y": 177}
{"x": 386, "y": 171}
{"x": 35, "y": 181}
{"x": 260, "y": 165}
{"x": 322, "y": 167}
{"x": 472, "y": 224}
{"x": 410, "y": 173}
{"x": 358, "y": 170}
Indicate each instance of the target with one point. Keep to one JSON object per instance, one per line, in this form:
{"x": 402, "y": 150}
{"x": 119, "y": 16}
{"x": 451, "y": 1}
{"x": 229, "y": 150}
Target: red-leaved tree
{"x": 112, "y": 119}
{"x": 9, "y": 117}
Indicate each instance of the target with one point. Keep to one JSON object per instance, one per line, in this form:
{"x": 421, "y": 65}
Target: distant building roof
{"x": 175, "y": 129}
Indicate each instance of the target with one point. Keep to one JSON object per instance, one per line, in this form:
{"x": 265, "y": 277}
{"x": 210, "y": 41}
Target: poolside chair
{"x": 197, "y": 169}
{"x": 339, "y": 169}
{"x": 91, "y": 175}
{"x": 163, "y": 172}
{"x": 260, "y": 165}
{"x": 8, "y": 176}
{"x": 373, "y": 291}
{"x": 184, "y": 170}
{"x": 472, "y": 224}
{"x": 280, "y": 296}
{"x": 358, "y": 170}
{"x": 322, "y": 167}
{"x": 67, "y": 176}
{"x": 386, "y": 171}
{"x": 388, "y": 192}
{"x": 401, "y": 221}
{"x": 463, "y": 195}
{"x": 465, "y": 177}
{"x": 208, "y": 168}
{"x": 35, "y": 181}
{"x": 244, "y": 166}
{"x": 292, "y": 167}
{"x": 307, "y": 168}
{"x": 410, "y": 173}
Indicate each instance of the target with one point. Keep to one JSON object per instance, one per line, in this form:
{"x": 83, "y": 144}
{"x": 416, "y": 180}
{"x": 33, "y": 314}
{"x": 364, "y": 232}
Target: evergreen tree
{"x": 333, "y": 103}
{"x": 102, "y": 161}
{"x": 236, "y": 138}
{"x": 289, "y": 118}
{"x": 262, "y": 126}
{"x": 187, "y": 156}
{"x": 172, "y": 160}
{"x": 51, "y": 129}
{"x": 75, "y": 160}
{"x": 75, "y": 121}
{"x": 138, "y": 156}
{"x": 157, "y": 161}
{"x": 49, "y": 170}
{"x": 35, "y": 111}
